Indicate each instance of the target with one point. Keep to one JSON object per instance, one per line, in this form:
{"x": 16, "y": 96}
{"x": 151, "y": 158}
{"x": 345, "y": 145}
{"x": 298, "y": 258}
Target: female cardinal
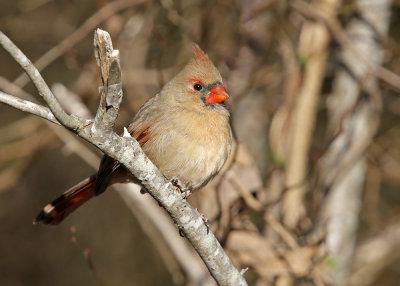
{"x": 184, "y": 130}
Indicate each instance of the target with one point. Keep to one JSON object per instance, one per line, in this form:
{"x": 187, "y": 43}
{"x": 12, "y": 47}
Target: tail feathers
{"x": 60, "y": 208}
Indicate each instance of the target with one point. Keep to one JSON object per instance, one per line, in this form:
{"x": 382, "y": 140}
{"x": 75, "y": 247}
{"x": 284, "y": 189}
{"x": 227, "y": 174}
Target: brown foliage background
{"x": 296, "y": 92}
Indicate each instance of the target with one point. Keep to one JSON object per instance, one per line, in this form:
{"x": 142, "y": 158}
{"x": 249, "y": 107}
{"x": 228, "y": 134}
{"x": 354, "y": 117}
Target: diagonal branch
{"x": 28, "y": 106}
{"x": 128, "y": 152}
{"x": 70, "y": 122}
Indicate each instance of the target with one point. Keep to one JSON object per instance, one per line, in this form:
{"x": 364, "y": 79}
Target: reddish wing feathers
{"x": 143, "y": 135}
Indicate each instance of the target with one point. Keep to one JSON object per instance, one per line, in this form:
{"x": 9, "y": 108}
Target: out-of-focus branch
{"x": 177, "y": 19}
{"x": 343, "y": 39}
{"x": 70, "y": 101}
{"x": 314, "y": 39}
{"x": 25, "y": 146}
{"x": 354, "y": 110}
{"x": 367, "y": 264}
{"x": 128, "y": 152}
{"x": 91, "y": 23}
{"x": 70, "y": 122}
{"x": 63, "y": 134}
{"x": 144, "y": 207}
{"x": 10, "y": 88}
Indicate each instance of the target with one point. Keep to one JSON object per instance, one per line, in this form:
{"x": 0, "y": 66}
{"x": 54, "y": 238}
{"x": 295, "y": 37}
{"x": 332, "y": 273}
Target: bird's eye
{"x": 198, "y": 86}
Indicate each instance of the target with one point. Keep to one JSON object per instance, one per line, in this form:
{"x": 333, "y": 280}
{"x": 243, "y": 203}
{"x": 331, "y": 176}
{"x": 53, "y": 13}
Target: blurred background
{"x": 311, "y": 194}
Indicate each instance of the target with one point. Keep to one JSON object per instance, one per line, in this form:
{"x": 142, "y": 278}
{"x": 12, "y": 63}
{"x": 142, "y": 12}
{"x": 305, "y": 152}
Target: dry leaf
{"x": 253, "y": 250}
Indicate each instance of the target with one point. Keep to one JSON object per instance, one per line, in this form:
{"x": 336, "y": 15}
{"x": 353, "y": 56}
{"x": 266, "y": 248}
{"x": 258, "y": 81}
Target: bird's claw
{"x": 186, "y": 193}
{"x": 182, "y": 187}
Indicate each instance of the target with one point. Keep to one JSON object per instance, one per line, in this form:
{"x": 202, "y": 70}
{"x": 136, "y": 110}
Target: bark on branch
{"x": 127, "y": 151}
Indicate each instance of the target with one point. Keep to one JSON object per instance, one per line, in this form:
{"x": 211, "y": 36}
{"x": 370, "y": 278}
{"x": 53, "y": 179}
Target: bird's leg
{"x": 181, "y": 186}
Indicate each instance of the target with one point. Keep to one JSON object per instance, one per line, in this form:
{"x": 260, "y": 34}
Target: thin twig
{"x": 44, "y": 91}
{"x": 28, "y": 106}
{"x": 87, "y": 256}
{"x": 282, "y": 231}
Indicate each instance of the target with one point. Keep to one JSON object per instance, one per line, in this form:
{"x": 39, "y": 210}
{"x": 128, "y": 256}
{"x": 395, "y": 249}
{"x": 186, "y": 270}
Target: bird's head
{"x": 199, "y": 84}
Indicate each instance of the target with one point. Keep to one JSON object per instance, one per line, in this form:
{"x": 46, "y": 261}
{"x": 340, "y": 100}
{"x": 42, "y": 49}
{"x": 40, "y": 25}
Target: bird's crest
{"x": 199, "y": 55}
{"x": 200, "y": 69}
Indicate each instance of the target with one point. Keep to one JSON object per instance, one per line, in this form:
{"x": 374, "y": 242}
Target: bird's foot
{"x": 182, "y": 187}
{"x": 186, "y": 193}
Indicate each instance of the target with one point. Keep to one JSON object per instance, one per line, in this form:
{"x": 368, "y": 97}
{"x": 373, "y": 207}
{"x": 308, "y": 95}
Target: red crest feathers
{"x": 199, "y": 54}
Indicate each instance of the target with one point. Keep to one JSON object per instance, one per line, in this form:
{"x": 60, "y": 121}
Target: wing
{"x": 139, "y": 129}
{"x": 109, "y": 167}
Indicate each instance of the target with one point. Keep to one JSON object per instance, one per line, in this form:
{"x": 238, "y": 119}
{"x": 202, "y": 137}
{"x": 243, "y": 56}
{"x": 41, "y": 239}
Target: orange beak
{"x": 217, "y": 94}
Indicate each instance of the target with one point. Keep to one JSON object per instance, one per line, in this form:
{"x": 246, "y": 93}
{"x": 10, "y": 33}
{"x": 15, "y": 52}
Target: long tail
{"x": 60, "y": 208}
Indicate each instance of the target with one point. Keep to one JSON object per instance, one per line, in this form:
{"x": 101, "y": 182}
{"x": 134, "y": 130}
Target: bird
{"x": 184, "y": 130}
